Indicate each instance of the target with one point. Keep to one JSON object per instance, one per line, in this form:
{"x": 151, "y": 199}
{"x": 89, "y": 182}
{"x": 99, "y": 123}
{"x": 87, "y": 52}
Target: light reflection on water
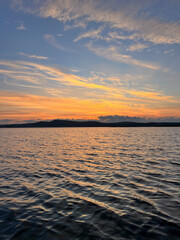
{"x": 89, "y": 183}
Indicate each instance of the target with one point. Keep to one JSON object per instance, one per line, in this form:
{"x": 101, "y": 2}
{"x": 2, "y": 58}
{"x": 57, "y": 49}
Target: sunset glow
{"x": 79, "y": 60}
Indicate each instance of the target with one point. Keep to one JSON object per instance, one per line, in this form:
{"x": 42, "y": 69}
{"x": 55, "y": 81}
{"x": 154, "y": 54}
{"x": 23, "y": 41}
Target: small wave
{"x": 122, "y": 185}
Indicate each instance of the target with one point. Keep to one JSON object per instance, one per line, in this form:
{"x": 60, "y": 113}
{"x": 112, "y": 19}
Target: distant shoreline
{"x": 68, "y": 123}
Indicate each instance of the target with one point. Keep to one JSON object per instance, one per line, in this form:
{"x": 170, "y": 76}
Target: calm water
{"x": 90, "y": 183}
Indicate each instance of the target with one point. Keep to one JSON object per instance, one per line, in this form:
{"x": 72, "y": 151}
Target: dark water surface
{"x": 90, "y": 183}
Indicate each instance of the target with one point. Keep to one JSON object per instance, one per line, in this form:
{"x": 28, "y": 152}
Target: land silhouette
{"x": 73, "y": 123}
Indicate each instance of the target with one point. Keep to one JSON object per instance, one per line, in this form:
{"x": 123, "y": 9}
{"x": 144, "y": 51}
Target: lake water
{"x": 90, "y": 183}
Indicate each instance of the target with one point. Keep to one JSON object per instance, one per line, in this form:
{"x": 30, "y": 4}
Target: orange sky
{"x": 22, "y": 107}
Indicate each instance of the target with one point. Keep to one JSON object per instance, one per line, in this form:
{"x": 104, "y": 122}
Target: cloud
{"x": 113, "y": 54}
{"x": 94, "y": 34}
{"x": 74, "y": 70}
{"x": 128, "y": 16}
{"x": 21, "y": 27}
{"x": 119, "y": 36}
{"x": 68, "y": 95}
{"x": 136, "y": 47}
{"x": 108, "y": 90}
{"x": 36, "y": 73}
{"x": 76, "y": 24}
{"x": 118, "y": 118}
{"x": 170, "y": 51}
{"x": 50, "y": 39}
{"x": 13, "y": 121}
{"x": 59, "y": 35}
{"x": 33, "y": 56}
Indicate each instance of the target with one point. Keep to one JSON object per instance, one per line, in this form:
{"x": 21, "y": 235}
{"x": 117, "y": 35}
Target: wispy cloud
{"x": 98, "y": 86}
{"x": 76, "y": 24}
{"x": 50, "y": 39}
{"x": 59, "y": 35}
{"x": 33, "y": 56}
{"x": 68, "y": 94}
{"x": 38, "y": 74}
{"x": 169, "y": 51}
{"x": 137, "y": 47}
{"x": 74, "y": 70}
{"x": 113, "y": 54}
{"x": 21, "y": 27}
{"x": 127, "y": 16}
{"x": 114, "y": 35}
{"x": 94, "y": 34}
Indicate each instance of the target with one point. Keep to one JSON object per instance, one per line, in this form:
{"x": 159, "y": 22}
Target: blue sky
{"x": 85, "y": 59}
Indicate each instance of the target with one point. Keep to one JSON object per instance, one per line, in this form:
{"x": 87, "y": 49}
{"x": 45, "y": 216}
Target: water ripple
{"x": 90, "y": 183}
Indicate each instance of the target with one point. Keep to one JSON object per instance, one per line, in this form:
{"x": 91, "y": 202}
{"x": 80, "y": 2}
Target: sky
{"x": 89, "y": 59}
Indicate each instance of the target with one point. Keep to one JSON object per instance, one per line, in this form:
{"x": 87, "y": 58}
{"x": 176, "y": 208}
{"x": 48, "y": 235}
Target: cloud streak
{"x": 112, "y": 53}
{"x": 33, "y": 56}
{"x": 94, "y": 34}
{"x": 35, "y": 73}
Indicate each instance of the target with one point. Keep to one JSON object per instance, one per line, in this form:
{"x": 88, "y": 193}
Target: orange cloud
{"x": 152, "y": 95}
{"x": 67, "y": 95}
{"x": 54, "y": 81}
